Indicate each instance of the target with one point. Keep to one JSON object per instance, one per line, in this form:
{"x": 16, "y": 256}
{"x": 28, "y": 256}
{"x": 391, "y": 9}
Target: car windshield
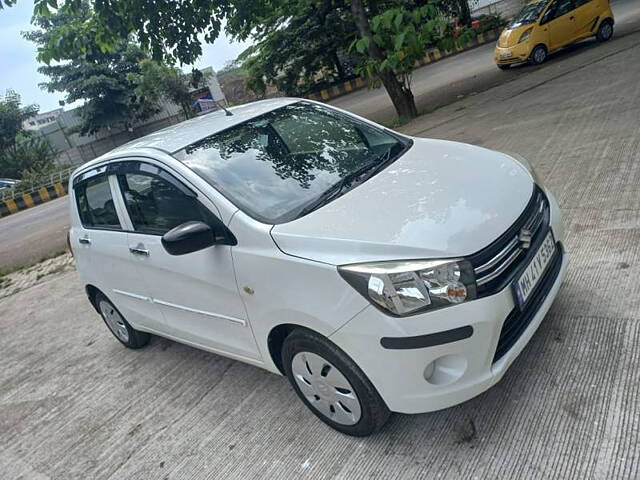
{"x": 529, "y": 14}
{"x": 281, "y": 165}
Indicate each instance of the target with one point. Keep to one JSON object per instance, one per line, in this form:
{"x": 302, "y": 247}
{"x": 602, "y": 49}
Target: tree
{"x": 12, "y": 117}
{"x": 157, "y": 81}
{"x": 295, "y": 54}
{"x": 174, "y": 30}
{"x": 99, "y": 78}
{"x": 396, "y": 41}
{"x": 20, "y": 150}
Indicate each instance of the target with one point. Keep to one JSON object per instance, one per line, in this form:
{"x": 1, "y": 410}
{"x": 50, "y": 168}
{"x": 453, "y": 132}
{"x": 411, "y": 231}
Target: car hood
{"x": 440, "y": 199}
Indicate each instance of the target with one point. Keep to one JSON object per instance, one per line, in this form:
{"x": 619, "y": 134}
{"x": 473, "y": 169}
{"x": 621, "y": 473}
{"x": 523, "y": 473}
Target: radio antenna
{"x": 226, "y": 112}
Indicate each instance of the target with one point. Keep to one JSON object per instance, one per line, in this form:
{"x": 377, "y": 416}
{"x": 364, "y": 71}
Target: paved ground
{"x": 74, "y": 404}
{"x": 435, "y": 85}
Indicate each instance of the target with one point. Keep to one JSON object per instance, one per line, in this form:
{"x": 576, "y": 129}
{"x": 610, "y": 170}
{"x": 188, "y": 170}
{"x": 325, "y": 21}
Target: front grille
{"x": 518, "y": 320}
{"x": 496, "y": 265}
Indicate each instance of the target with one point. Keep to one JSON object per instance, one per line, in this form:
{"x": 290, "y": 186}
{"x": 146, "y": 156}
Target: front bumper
{"x": 417, "y": 380}
{"x": 518, "y": 53}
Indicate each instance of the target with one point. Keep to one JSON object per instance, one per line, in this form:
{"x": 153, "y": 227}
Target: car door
{"x": 586, "y": 17}
{"x": 196, "y": 292}
{"x": 102, "y": 250}
{"x": 559, "y": 20}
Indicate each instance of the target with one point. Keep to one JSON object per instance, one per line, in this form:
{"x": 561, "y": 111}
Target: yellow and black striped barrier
{"x": 28, "y": 200}
{"x": 431, "y": 56}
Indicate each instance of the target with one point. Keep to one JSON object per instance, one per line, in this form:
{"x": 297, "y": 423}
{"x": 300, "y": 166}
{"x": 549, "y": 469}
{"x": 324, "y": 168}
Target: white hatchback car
{"x": 380, "y": 273}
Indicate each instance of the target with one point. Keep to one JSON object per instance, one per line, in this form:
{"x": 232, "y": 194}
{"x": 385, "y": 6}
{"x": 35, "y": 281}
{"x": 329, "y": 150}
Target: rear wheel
{"x": 331, "y": 385}
{"x": 118, "y": 326}
{"x": 538, "y": 55}
{"x": 605, "y": 31}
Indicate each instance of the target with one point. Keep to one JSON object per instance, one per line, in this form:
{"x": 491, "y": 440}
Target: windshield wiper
{"x": 371, "y": 168}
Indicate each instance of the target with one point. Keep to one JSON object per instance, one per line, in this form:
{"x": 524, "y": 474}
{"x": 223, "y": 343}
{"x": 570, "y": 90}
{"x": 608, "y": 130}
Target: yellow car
{"x": 544, "y": 26}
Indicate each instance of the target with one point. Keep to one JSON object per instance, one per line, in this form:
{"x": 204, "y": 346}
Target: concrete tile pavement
{"x": 75, "y": 404}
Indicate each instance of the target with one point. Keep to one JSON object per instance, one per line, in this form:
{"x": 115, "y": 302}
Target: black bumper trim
{"x": 424, "y": 341}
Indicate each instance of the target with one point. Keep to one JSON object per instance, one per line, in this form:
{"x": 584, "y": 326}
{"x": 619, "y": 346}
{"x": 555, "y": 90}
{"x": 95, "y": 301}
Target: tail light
{"x": 69, "y": 243}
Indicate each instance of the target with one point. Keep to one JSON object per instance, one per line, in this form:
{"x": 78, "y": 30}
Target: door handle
{"x": 572, "y": 18}
{"x": 139, "y": 251}
{"x": 85, "y": 240}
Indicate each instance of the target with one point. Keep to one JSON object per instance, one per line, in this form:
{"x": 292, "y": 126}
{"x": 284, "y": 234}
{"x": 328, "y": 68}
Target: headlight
{"x": 407, "y": 287}
{"x": 525, "y": 35}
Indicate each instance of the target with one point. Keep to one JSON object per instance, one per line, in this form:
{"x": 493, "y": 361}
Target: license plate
{"x": 505, "y": 54}
{"x": 526, "y": 283}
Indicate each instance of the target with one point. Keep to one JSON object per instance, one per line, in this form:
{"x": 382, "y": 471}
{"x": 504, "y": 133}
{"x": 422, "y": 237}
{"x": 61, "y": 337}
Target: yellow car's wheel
{"x": 538, "y": 55}
{"x": 605, "y": 31}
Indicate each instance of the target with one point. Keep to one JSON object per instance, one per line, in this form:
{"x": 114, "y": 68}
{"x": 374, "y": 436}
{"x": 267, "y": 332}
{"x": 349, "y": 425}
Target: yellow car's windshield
{"x": 529, "y": 14}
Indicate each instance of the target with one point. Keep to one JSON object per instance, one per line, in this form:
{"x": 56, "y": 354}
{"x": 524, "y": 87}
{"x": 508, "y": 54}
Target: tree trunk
{"x": 401, "y": 97}
{"x": 464, "y": 12}
{"x": 338, "y": 65}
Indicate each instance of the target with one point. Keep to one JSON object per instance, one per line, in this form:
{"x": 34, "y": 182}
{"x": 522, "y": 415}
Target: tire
{"x": 605, "y": 31}
{"x": 118, "y": 326}
{"x": 341, "y": 395}
{"x": 503, "y": 67}
{"x": 538, "y": 55}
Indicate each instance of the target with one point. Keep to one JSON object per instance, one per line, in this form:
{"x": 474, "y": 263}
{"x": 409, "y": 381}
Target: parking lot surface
{"x": 75, "y": 404}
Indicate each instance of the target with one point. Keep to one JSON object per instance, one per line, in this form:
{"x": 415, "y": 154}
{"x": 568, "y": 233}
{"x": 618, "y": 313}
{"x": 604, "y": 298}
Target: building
{"x": 41, "y": 119}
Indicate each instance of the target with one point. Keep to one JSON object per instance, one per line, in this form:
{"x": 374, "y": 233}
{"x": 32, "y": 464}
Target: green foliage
{"x": 33, "y": 178}
{"x": 8, "y": 3}
{"x": 20, "y": 150}
{"x": 489, "y": 22}
{"x": 157, "y": 81}
{"x": 12, "y": 115}
{"x": 297, "y": 47}
{"x": 232, "y": 67}
{"x": 96, "y": 75}
{"x": 404, "y": 36}
{"x": 168, "y": 29}
{"x": 31, "y": 157}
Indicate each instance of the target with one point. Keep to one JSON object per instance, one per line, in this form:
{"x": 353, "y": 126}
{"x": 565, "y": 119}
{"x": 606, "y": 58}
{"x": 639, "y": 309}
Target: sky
{"x": 18, "y": 65}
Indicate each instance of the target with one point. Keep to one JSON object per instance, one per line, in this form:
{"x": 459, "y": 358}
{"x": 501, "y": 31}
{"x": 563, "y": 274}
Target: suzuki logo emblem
{"x": 524, "y": 237}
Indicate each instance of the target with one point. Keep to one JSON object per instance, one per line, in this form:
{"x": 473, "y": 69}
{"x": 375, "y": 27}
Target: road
{"x": 470, "y": 72}
{"x": 434, "y": 85}
{"x": 30, "y": 235}
{"x": 74, "y": 404}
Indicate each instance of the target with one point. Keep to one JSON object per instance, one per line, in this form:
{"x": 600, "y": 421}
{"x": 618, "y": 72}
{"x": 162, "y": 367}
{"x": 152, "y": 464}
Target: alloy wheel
{"x": 606, "y": 30}
{"x": 326, "y": 388}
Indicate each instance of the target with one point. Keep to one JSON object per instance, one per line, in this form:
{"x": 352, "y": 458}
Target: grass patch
{"x": 8, "y": 271}
{"x": 53, "y": 271}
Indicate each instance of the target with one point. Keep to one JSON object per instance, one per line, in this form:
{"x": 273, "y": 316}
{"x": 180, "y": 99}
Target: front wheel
{"x": 605, "y": 31}
{"x": 118, "y": 326}
{"x": 331, "y": 385}
{"x": 538, "y": 55}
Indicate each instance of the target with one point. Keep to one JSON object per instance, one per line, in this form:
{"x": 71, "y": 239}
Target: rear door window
{"x": 95, "y": 204}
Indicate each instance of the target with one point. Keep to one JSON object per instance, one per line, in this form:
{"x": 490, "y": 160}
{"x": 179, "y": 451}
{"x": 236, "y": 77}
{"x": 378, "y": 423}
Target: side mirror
{"x": 188, "y": 237}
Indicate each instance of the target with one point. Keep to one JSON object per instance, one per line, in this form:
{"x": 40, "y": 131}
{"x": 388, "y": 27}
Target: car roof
{"x": 176, "y": 137}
